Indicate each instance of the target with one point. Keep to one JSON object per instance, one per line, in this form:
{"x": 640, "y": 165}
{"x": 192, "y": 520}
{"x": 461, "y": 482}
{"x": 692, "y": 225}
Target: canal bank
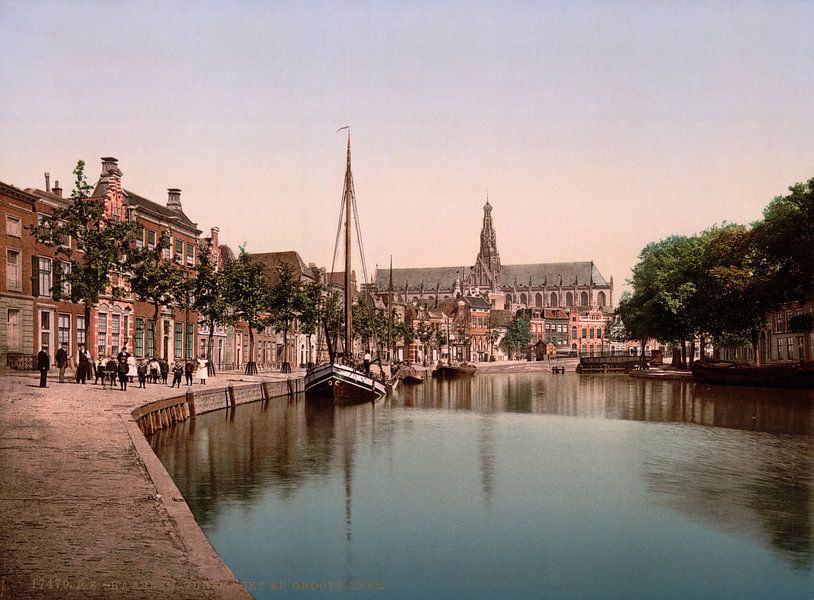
{"x": 87, "y": 510}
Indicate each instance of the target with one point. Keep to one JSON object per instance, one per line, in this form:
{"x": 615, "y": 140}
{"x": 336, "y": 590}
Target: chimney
{"x": 57, "y": 190}
{"x": 110, "y": 166}
{"x": 213, "y": 236}
{"x": 47, "y": 182}
{"x": 174, "y": 199}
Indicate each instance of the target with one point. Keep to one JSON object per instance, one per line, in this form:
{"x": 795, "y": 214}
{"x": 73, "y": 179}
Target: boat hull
{"x": 341, "y": 385}
{"x": 450, "y": 371}
{"x": 793, "y": 375}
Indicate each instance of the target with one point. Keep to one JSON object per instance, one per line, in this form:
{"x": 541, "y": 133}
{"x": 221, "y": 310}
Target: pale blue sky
{"x": 595, "y": 127}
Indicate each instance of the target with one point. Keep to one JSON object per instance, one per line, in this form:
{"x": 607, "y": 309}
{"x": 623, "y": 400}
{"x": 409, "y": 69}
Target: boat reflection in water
{"x": 513, "y": 486}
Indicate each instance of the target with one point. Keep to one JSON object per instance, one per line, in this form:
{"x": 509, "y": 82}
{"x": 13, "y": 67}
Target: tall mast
{"x": 348, "y": 197}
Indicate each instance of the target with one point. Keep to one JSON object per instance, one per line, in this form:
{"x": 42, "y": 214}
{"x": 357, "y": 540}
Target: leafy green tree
{"x": 424, "y": 335}
{"x": 784, "y": 240}
{"x": 309, "y": 319}
{"x": 518, "y": 334}
{"x": 208, "y": 300}
{"x": 246, "y": 296}
{"x": 285, "y": 303}
{"x": 365, "y": 325}
{"x": 494, "y": 338}
{"x": 100, "y": 241}
{"x": 154, "y": 279}
{"x": 332, "y": 317}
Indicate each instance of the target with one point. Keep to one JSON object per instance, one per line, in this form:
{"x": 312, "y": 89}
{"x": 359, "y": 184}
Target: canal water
{"x": 510, "y": 486}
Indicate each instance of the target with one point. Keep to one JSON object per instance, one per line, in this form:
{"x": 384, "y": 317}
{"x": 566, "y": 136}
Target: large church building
{"x": 570, "y": 285}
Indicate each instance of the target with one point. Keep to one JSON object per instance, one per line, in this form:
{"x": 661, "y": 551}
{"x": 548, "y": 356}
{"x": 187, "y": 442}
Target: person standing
{"x": 43, "y": 364}
{"x": 62, "y": 361}
{"x": 142, "y": 373}
{"x": 122, "y": 368}
{"x": 112, "y": 371}
{"x": 164, "y": 369}
{"x": 177, "y": 372}
{"x": 155, "y": 367}
{"x": 189, "y": 369}
{"x": 366, "y": 363}
{"x": 82, "y": 364}
{"x": 101, "y": 366}
{"x": 132, "y": 368}
{"x": 203, "y": 369}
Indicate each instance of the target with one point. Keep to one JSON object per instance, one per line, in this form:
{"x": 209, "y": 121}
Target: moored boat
{"x": 786, "y": 375}
{"x": 336, "y": 382}
{"x": 450, "y": 371}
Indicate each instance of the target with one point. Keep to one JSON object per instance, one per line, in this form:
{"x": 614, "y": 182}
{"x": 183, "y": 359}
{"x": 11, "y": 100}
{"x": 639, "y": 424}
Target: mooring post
{"x": 290, "y": 383}
{"x": 230, "y": 394}
{"x": 264, "y": 391}
{"x": 191, "y": 403}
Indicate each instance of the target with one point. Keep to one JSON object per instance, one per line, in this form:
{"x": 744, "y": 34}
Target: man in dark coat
{"x": 189, "y": 369}
{"x": 43, "y": 364}
{"x": 62, "y": 361}
{"x": 83, "y": 365}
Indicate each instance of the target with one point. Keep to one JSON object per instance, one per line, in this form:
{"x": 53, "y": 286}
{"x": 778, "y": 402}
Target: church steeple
{"x": 487, "y": 267}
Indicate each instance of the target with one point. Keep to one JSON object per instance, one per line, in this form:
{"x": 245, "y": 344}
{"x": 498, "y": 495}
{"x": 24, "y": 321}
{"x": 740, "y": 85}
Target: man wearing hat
{"x": 62, "y": 361}
{"x": 43, "y": 364}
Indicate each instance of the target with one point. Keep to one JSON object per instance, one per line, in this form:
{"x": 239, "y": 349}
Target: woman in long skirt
{"x": 202, "y": 371}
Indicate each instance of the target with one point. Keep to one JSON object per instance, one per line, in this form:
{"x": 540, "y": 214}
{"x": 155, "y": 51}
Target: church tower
{"x": 487, "y": 266}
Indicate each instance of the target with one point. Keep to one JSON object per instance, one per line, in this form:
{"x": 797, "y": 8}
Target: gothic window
{"x": 569, "y": 300}
{"x": 600, "y": 297}
{"x": 583, "y": 299}
{"x": 523, "y": 299}
{"x": 538, "y": 300}
{"x": 553, "y": 300}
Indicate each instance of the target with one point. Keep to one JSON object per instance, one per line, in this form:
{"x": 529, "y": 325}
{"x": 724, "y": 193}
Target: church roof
{"x": 581, "y": 272}
{"x": 429, "y": 276}
{"x": 549, "y": 272}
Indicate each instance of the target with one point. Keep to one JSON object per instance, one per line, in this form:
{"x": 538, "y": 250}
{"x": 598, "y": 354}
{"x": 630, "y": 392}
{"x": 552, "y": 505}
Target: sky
{"x": 594, "y": 127}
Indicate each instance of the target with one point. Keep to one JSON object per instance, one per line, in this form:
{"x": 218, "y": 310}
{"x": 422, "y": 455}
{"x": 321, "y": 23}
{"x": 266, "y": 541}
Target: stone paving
{"x": 81, "y": 516}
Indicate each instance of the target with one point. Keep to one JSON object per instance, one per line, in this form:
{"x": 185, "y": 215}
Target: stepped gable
{"x": 272, "y": 262}
{"x": 551, "y": 273}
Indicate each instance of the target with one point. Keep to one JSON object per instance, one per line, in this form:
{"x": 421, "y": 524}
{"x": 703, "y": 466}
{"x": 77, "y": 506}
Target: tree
{"x": 784, "y": 239}
{"x": 246, "y": 297}
{"x": 208, "y": 300}
{"x": 518, "y": 334}
{"x": 424, "y": 334}
{"x": 310, "y": 312}
{"x": 154, "y": 279}
{"x": 285, "y": 303}
{"x": 100, "y": 240}
{"x": 494, "y": 338}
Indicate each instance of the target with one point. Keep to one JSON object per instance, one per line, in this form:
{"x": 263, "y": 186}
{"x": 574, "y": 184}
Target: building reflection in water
{"x": 757, "y": 483}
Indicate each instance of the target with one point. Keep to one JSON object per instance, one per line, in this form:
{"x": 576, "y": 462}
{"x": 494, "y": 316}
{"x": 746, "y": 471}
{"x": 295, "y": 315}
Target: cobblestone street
{"x": 79, "y": 513}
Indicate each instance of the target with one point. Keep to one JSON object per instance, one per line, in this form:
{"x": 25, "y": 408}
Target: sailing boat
{"x": 335, "y": 381}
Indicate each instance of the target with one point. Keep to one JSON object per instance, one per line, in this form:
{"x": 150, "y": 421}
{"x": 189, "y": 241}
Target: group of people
{"x": 124, "y": 368}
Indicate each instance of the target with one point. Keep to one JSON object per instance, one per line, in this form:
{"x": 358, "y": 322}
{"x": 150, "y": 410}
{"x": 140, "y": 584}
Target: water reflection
{"x": 501, "y": 440}
{"x": 622, "y": 397}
